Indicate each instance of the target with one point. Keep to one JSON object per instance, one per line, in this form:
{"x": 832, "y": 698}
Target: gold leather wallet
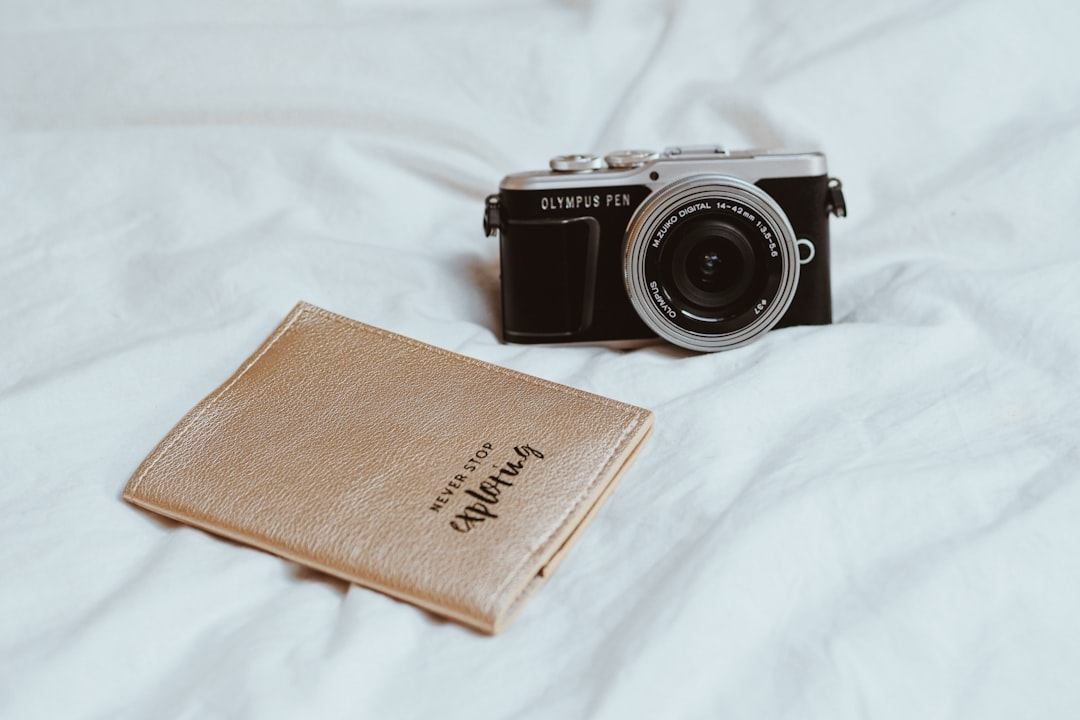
{"x": 447, "y": 482}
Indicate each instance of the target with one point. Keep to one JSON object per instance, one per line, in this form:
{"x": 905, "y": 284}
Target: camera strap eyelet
{"x": 834, "y": 202}
{"x": 492, "y": 215}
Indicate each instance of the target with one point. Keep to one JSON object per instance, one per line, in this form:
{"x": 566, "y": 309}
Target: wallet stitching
{"x": 623, "y": 438}
{"x": 286, "y": 326}
{"x": 637, "y": 414}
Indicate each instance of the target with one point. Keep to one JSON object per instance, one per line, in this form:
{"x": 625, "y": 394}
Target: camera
{"x": 703, "y": 247}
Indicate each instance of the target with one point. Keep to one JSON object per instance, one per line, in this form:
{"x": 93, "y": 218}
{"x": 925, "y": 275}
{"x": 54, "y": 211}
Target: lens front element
{"x": 712, "y": 266}
{"x": 710, "y": 262}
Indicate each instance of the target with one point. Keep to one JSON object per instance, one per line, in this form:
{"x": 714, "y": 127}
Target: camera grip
{"x": 548, "y": 277}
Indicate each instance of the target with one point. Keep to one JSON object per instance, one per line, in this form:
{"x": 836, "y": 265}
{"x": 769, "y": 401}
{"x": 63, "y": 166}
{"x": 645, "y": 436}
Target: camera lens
{"x": 712, "y": 265}
{"x": 710, "y": 262}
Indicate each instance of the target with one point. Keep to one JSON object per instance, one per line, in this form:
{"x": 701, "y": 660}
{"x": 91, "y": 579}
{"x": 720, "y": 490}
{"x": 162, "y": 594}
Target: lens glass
{"x": 711, "y": 266}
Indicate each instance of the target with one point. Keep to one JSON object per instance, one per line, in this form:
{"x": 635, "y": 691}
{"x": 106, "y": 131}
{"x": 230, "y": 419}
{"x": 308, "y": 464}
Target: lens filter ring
{"x": 710, "y": 262}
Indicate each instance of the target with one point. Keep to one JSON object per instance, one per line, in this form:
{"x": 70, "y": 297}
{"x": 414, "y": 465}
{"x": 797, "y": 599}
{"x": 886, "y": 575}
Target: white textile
{"x": 876, "y": 518}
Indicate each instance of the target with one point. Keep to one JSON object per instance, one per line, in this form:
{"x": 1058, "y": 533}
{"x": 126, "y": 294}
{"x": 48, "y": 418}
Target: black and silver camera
{"x": 706, "y": 248}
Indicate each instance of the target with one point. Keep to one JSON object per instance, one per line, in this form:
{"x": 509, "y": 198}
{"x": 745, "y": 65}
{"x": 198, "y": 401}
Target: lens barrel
{"x": 710, "y": 262}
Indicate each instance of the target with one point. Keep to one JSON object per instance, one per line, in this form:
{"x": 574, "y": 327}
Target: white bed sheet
{"x": 876, "y": 518}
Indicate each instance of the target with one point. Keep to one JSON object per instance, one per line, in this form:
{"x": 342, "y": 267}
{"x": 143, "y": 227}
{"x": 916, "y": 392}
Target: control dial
{"x": 576, "y": 163}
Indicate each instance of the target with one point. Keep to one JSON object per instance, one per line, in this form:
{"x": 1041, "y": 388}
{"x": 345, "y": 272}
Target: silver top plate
{"x": 676, "y": 163}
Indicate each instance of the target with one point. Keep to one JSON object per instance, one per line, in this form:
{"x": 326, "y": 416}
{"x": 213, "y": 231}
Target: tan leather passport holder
{"x": 441, "y": 480}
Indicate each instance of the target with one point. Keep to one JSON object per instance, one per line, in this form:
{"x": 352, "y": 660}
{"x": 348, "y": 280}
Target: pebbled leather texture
{"x": 436, "y": 478}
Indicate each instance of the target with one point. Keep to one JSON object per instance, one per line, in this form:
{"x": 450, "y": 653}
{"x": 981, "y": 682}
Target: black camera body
{"x": 704, "y": 247}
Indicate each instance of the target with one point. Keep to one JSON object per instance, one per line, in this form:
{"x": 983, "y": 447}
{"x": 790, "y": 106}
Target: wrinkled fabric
{"x": 876, "y": 518}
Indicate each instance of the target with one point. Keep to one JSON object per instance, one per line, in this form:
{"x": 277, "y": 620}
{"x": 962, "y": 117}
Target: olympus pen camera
{"x": 706, "y": 248}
